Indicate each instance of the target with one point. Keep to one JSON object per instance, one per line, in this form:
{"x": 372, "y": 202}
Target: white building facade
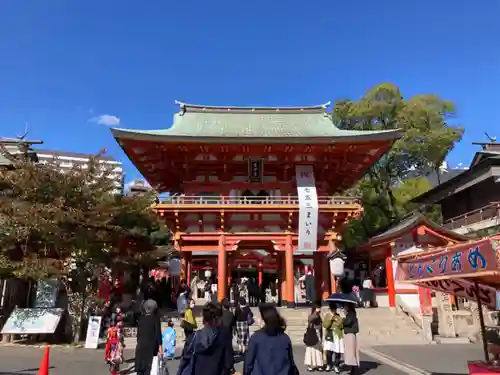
{"x": 65, "y": 161}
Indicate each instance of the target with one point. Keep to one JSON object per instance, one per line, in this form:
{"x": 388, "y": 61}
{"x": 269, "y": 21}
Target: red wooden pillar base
{"x": 222, "y": 269}
{"x": 260, "y": 274}
{"x": 425, "y": 298}
{"x": 280, "y": 275}
{"x": 318, "y": 275}
{"x": 325, "y": 276}
{"x": 289, "y": 297}
{"x": 189, "y": 267}
{"x": 391, "y": 288}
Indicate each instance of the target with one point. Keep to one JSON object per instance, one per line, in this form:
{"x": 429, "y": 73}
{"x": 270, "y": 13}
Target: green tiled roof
{"x": 247, "y": 125}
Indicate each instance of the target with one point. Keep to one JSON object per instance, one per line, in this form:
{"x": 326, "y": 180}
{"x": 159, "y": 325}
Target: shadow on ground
{"x": 28, "y": 371}
{"x": 366, "y": 366}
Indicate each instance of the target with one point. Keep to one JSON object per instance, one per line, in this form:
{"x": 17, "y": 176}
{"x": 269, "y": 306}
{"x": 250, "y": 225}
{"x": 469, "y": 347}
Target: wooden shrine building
{"x": 412, "y": 235}
{"x": 261, "y": 179}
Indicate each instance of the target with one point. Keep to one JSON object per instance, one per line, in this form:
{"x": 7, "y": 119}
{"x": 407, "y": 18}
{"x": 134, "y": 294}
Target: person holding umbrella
{"x": 351, "y": 346}
{"x": 350, "y": 328}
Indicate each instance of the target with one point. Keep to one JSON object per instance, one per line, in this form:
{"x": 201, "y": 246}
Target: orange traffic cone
{"x": 44, "y": 365}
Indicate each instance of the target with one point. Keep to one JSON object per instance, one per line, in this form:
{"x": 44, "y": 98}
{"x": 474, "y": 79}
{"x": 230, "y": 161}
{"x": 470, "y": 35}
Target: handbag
{"x": 250, "y": 319}
{"x": 311, "y": 336}
{"x": 155, "y": 366}
{"x": 187, "y": 326}
{"x": 162, "y": 366}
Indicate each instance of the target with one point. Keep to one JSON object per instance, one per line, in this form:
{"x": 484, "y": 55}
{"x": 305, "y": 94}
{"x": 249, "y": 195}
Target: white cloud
{"x": 108, "y": 120}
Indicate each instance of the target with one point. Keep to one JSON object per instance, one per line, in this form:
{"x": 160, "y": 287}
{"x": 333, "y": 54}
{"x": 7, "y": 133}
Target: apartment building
{"x": 65, "y": 160}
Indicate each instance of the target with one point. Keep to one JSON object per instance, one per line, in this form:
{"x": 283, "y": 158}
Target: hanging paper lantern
{"x": 337, "y": 266}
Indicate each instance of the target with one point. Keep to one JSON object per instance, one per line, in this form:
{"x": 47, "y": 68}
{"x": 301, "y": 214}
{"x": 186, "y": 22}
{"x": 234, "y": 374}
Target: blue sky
{"x": 64, "y": 62}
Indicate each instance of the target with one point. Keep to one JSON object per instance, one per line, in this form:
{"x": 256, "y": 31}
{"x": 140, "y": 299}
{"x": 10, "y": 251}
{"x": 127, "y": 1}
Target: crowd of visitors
{"x": 330, "y": 338}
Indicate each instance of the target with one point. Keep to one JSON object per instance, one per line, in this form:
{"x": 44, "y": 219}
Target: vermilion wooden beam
{"x": 198, "y": 248}
{"x": 203, "y": 148}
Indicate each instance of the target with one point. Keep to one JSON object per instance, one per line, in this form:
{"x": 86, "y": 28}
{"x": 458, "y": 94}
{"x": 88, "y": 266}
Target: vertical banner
{"x": 308, "y": 208}
{"x": 255, "y": 170}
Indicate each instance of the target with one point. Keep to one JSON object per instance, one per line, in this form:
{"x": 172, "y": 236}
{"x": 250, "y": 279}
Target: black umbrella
{"x": 342, "y": 298}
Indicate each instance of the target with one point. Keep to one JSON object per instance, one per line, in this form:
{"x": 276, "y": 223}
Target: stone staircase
{"x": 378, "y": 326}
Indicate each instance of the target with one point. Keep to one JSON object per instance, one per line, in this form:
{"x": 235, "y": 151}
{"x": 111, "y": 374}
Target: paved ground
{"x": 442, "y": 359}
{"x": 69, "y": 361}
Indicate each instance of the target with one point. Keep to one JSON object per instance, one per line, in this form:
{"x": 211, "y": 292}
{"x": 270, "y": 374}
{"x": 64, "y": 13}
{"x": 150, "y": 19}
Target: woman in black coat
{"x": 149, "y": 338}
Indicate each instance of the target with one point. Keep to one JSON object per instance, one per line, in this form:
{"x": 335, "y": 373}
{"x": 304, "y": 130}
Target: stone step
{"x": 378, "y": 326}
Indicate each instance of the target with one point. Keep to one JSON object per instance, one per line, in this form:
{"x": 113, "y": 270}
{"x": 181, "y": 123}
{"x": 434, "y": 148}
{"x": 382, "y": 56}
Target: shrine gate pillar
{"x": 333, "y": 281}
{"x": 260, "y": 271}
{"x": 326, "y": 276}
{"x": 188, "y": 267}
{"x": 280, "y": 288}
{"x": 229, "y": 269}
{"x": 318, "y": 275}
{"x": 389, "y": 273}
{"x": 222, "y": 268}
{"x": 289, "y": 297}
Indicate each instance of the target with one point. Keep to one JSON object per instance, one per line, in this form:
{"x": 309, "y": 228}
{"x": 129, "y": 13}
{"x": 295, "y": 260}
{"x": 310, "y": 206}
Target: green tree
{"x": 410, "y": 189}
{"x": 427, "y": 139}
{"x": 70, "y": 225}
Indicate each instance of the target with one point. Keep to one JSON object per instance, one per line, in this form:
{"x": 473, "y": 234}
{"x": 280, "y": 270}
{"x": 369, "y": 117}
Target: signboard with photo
{"x": 32, "y": 321}
{"x": 46, "y": 293}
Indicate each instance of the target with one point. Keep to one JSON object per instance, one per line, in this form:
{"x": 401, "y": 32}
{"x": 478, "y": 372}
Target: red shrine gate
{"x": 236, "y": 170}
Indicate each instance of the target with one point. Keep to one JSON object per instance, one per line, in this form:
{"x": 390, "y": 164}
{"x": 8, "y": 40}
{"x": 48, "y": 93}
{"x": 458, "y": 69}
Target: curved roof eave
{"x": 344, "y": 136}
{"x": 208, "y": 107}
{"x": 398, "y": 230}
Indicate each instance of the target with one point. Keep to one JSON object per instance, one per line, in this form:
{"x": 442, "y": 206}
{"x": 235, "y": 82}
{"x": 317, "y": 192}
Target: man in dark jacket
{"x": 227, "y": 320}
{"x": 209, "y": 346}
{"x": 310, "y": 287}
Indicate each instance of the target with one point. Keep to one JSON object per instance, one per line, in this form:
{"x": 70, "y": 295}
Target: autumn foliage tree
{"x": 427, "y": 139}
{"x": 71, "y": 224}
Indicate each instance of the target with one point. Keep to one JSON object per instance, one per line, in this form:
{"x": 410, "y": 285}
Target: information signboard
{"x": 32, "y": 321}
{"x": 93, "y": 330}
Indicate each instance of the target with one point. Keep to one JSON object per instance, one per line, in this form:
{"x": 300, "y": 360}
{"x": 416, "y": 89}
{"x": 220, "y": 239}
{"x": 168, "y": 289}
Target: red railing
{"x": 490, "y": 211}
{"x": 249, "y": 201}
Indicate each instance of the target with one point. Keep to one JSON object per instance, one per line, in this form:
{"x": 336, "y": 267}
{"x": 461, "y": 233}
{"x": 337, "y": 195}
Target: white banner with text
{"x": 308, "y": 208}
